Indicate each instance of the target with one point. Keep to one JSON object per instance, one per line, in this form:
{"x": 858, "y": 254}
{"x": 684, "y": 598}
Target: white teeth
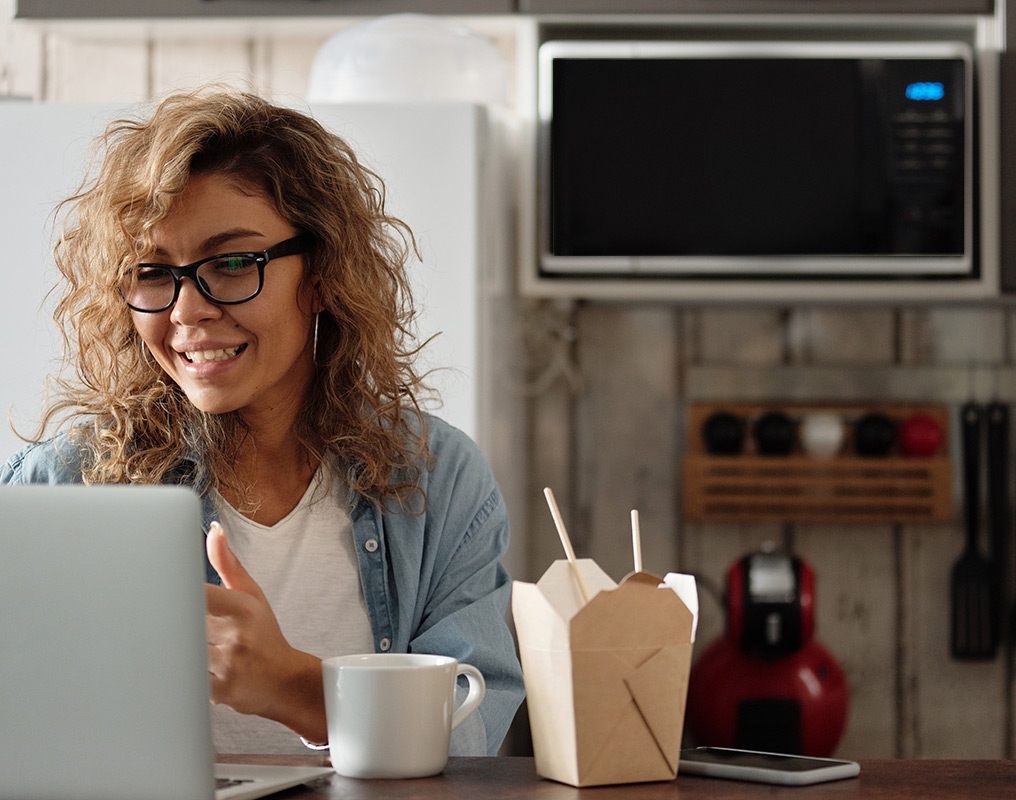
{"x": 203, "y": 356}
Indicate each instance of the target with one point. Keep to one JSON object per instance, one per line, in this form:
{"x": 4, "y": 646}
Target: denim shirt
{"x": 433, "y": 581}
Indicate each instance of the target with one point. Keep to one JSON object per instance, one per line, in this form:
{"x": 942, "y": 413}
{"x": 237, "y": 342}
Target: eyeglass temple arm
{"x": 290, "y": 247}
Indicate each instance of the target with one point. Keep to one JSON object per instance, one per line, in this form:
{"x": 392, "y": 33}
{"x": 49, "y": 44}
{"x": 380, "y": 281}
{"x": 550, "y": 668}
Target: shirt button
{"x": 385, "y": 645}
{"x": 370, "y": 545}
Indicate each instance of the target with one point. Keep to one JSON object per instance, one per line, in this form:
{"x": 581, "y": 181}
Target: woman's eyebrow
{"x": 215, "y": 242}
{"x": 218, "y": 240}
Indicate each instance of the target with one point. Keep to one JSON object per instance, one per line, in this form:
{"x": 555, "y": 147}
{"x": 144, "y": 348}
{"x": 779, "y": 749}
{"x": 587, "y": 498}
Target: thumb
{"x": 222, "y": 559}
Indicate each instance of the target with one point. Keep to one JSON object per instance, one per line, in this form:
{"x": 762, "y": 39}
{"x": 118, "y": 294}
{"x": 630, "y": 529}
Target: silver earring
{"x": 314, "y": 352}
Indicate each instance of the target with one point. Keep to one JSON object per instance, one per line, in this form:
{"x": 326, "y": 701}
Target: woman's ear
{"x": 312, "y": 293}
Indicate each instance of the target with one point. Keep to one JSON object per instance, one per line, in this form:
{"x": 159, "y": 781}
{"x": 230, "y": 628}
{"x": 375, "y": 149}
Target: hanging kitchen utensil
{"x": 971, "y": 574}
{"x": 998, "y": 513}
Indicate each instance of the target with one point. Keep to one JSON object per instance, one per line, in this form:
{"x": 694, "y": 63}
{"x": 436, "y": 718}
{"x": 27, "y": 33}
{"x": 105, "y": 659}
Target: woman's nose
{"x": 191, "y": 306}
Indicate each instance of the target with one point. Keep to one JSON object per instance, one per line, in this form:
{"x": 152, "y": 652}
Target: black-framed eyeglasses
{"x": 228, "y": 278}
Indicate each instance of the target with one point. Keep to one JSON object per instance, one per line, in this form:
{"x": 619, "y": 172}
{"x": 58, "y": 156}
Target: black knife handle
{"x": 997, "y": 416}
{"x": 970, "y": 417}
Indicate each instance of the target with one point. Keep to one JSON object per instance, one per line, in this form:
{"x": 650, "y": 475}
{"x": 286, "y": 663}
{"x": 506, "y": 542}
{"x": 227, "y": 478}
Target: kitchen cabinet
{"x": 97, "y": 9}
{"x": 757, "y": 6}
{"x": 126, "y": 9}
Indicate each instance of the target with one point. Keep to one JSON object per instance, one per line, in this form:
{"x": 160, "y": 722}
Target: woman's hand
{"x": 252, "y": 667}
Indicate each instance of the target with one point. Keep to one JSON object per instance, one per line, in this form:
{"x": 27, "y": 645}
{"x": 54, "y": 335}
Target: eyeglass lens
{"x": 229, "y": 279}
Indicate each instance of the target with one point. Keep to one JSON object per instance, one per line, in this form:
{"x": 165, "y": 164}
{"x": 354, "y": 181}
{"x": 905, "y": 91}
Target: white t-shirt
{"x": 306, "y": 565}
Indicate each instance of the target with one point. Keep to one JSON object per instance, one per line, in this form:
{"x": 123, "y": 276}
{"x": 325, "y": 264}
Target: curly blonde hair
{"x": 136, "y": 423}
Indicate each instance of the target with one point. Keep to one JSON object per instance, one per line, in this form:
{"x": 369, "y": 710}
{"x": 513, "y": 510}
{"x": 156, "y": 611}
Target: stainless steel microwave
{"x": 757, "y": 160}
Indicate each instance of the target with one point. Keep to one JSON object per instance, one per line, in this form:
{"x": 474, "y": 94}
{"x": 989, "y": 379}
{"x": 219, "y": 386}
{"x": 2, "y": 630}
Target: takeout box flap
{"x": 561, "y": 589}
{"x": 636, "y": 614}
{"x": 537, "y": 623}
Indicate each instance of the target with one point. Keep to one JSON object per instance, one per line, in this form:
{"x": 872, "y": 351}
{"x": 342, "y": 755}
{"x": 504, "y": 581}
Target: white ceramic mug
{"x": 390, "y": 715}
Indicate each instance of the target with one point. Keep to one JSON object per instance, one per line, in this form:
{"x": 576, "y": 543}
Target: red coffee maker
{"x": 767, "y": 684}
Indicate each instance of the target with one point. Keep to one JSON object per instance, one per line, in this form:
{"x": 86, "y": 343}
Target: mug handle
{"x": 477, "y": 688}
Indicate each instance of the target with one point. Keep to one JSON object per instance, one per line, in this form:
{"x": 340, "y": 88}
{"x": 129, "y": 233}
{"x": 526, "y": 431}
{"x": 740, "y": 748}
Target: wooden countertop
{"x": 515, "y": 778}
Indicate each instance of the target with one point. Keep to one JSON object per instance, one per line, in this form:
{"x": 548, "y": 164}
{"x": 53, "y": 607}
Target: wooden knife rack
{"x": 748, "y": 486}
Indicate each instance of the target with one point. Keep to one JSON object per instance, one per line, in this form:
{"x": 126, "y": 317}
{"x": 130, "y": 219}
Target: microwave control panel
{"x": 926, "y": 154}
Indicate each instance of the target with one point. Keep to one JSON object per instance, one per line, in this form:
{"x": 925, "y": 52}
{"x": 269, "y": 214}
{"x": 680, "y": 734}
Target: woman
{"x": 237, "y": 311}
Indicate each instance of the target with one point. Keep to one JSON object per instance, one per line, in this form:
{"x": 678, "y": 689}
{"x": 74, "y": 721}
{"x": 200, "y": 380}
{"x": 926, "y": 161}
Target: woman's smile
{"x": 204, "y": 356}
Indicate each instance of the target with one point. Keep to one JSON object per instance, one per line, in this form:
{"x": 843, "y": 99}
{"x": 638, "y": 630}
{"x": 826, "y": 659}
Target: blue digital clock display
{"x": 925, "y": 90}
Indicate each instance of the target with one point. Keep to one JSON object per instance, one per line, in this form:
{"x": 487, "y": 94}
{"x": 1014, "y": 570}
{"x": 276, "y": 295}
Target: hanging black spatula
{"x": 972, "y": 625}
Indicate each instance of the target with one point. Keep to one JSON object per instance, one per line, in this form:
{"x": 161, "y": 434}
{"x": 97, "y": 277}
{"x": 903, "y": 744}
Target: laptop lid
{"x": 104, "y": 689}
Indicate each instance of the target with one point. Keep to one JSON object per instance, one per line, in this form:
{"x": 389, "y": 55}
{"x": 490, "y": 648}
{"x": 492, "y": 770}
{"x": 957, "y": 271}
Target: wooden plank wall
{"x": 610, "y": 385}
{"x": 882, "y": 590}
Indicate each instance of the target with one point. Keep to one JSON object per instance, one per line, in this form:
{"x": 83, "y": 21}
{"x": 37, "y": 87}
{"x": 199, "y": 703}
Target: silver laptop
{"x": 103, "y": 660}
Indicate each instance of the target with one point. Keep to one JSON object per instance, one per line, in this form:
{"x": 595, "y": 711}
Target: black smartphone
{"x": 761, "y": 767}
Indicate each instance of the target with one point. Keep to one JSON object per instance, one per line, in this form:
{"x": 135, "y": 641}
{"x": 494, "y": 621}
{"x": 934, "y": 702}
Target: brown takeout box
{"x": 606, "y": 681}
